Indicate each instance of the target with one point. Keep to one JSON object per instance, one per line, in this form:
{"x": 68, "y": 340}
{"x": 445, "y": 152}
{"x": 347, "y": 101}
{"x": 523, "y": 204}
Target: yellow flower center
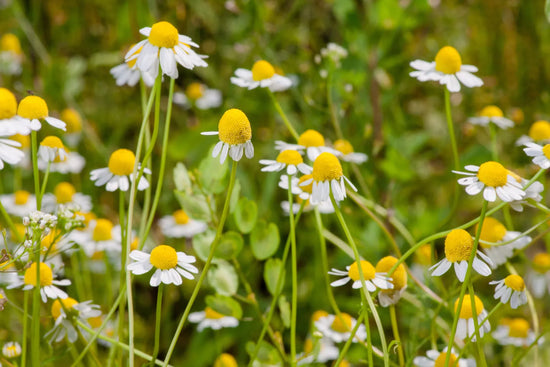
{"x": 8, "y": 104}
{"x": 103, "y": 230}
{"x": 132, "y": 62}
{"x": 306, "y": 188}
{"x": 68, "y": 303}
{"x": 343, "y": 146}
{"x": 546, "y": 150}
{"x": 164, "y": 257}
{"x": 466, "y": 311}
{"x": 87, "y": 218}
{"x": 311, "y": 138}
{"x": 209, "y": 313}
{"x": 64, "y": 192}
{"x": 515, "y": 282}
{"x": 98, "y": 255}
{"x": 308, "y": 346}
{"x": 493, "y": 174}
{"x": 262, "y": 70}
{"x": 95, "y": 322}
{"x": 344, "y": 363}
{"x": 368, "y": 271}
{"x": 32, "y": 107}
{"x": 24, "y": 140}
{"x": 164, "y": 34}
{"x": 122, "y": 162}
{"x": 11, "y": 350}
{"x": 290, "y": 157}
{"x": 448, "y": 60}
{"x": 491, "y": 230}
{"x": 440, "y": 361}
{"x": 73, "y": 120}
{"x": 540, "y": 130}
{"x": 234, "y": 127}
{"x": 46, "y": 276}
{"x": 491, "y": 111}
{"x": 21, "y": 230}
{"x": 458, "y": 245}
{"x": 327, "y": 167}
{"x": 194, "y": 91}
{"x": 225, "y": 360}
{"x": 134, "y": 245}
{"x": 541, "y": 262}
{"x": 180, "y": 217}
{"x": 424, "y": 254}
{"x": 342, "y": 323}
{"x": 21, "y": 197}
{"x": 48, "y": 242}
{"x": 52, "y": 142}
{"x": 10, "y": 42}
{"x": 399, "y": 276}
{"x": 518, "y": 328}
{"x": 318, "y": 314}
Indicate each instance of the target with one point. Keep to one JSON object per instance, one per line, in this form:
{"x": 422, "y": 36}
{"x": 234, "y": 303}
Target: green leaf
{"x": 267, "y": 354}
{"x": 181, "y": 179}
{"x": 284, "y": 309}
{"x": 202, "y": 242}
{"x": 246, "y": 215}
{"x": 194, "y": 205}
{"x": 223, "y": 278}
{"x": 225, "y": 305}
{"x": 230, "y": 245}
{"x": 212, "y": 174}
{"x": 264, "y": 240}
{"x": 272, "y": 269}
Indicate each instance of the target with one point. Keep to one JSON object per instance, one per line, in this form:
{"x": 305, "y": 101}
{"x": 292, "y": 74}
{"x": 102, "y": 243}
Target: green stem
{"x": 451, "y": 129}
{"x": 36, "y": 302}
{"x": 35, "y": 174}
{"x": 294, "y": 260}
{"x": 157, "y": 323}
{"x": 468, "y": 340}
{"x": 494, "y": 144}
{"x": 123, "y": 259}
{"x": 331, "y": 107}
{"x": 283, "y": 116}
{"x": 346, "y": 346}
{"x": 479, "y": 344}
{"x": 395, "y": 329}
{"x": 46, "y": 175}
{"x": 25, "y": 328}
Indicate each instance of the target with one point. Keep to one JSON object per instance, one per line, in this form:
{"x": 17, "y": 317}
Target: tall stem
{"x": 451, "y": 129}
{"x": 35, "y": 174}
{"x": 294, "y": 308}
{"x": 344, "y": 350}
{"x": 283, "y": 115}
{"x": 395, "y": 329}
{"x": 479, "y": 344}
{"x": 157, "y": 323}
{"x": 25, "y": 329}
{"x": 36, "y": 302}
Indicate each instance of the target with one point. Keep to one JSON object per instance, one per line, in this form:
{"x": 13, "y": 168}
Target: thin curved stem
{"x": 346, "y": 346}
{"x": 283, "y": 115}
{"x": 395, "y": 329}
{"x": 294, "y": 306}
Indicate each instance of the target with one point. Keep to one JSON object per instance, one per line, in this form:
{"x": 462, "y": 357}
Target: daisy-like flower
{"x": 63, "y": 326}
{"x": 24, "y": 143}
{"x": 235, "y": 136}
{"x": 65, "y": 193}
{"x": 494, "y": 232}
{"x": 338, "y": 328}
{"x": 531, "y": 192}
{"x": 304, "y": 193}
{"x": 447, "y": 69}
{"x": 11, "y": 350}
{"x": 166, "y": 46}
{"x": 11, "y": 54}
{"x": 10, "y": 152}
{"x": 391, "y": 296}
{"x": 118, "y": 174}
{"x": 200, "y": 95}
{"x": 52, "y": 148}
{"x": 539, "y": 278}
{"x": 20, "y": 203}
{"x": 212, "y": 319}
{"x": 74, "y": 126}
{"x": 318, "y": 351}
{"x": 72, "y": 163}
{"x": 491, "y": 114}
{"x": 437, "y": 359}
{"x": 373, "y": 279}
{"x": 540, "y": 154}
{"x": 290, "y": 159}
{"x": 515, "y": 331}
{"x": 225, "y": 360}
{"x": 128, "y": 74}
{"x": 511, "y": 288}
{"x": 466, "y": 327}
{"x": 262, "y": 75}
{"x": 179, "y": 225}
{"x": 539, "y": 132}
{"x": 101, "y": 235}
{"x": 494, "y": 180}
{"x": 170, "y": 265}
{"x": 47, "y": 284}
{"x": 311, "y": 141}
{"x": 327, "y": 177}
{"x": 348, "y": 155}
{"x": 32, "y": 109}
{"x": 10, "y": 123}
{"x": 458, "y": 247}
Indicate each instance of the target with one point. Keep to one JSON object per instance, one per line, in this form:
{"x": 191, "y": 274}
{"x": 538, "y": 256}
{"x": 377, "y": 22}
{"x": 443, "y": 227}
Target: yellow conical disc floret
{"x": 546, "y": 151}
{"x": 10, "y": 42}
{"x": 515, "y": 282}
{"x": 8, "y": 104}
{"x": 305, "y": 188}
{"x": 52, "y": 142}
{"x": 194, "y": 91}
{"x": 48, "y": 242}
{"x": 368, "y": 271}
{"x": 458, "y": 245}
{"x": 399, "y": 276}
{"x": 466, "y": 311}
{"x": 103, "y": 230}
{"x": 442, "y": 358}
{"x": 518, "y": 328}
{"x": 234, "y": 127}
{"x": 21, "y": 197}
{"x": 122, "y": 162}
{"x": 262, "y": 70}
{"x": 209, "y": 313}
{"x": 493, "y": 174}
{"x": 64, "y": 192}
{"x": 327, "y": 167}
{"x": 225, "y": 360}
{"x": 448, "y": 60}
{"x": 68, "y": 303}
{"x": 342, "y": 323}
{"x": 164, "y": 34}
{"x": 311, "y": 138}
{"x": 73, "y": 120}
{"x": 318, "y": 315}
{"x": 492, "y": 230}
{"x": 164, "y": 257}
{"x": 424, "y": 254}
{"x": 541, "y": 262}
{"x": 343, "y": 146}
{"x": 290, "y": 157}
{"x": 32, "y": 107}
{"x": 540, "y": 130}
{"x": 180, "y": 217}
{"x": 46, "y": 275}
{"x": 491, "y": 111}
{"x": 24, "y": 140}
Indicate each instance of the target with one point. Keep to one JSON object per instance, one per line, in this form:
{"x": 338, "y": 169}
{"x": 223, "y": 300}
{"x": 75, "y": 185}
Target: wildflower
{"x": 200, "y": 95}
{"x": 515, "y": 331}
{"x": 179, "y": 225}
{"x": 466, "y": 327}
{"x": 74, "y": 125}
{"x": 511, "y": 288}
{"x": 311, "y": 141}
{"x": 102, "y": 235}
{"x": 540, "y": 154}
{"x": 128, "y": 74}
{"x": 118, "y": 173}
{"x": 165, "y": 46}
{"x": 458, "y": 248}
{"x": 72, "y": 163}
{"x": 65, "y": 193}
{"x": 11, "y": 54}
{"x": 539, "y": 132}
{"x": 373, "y": 279}
{"x": 11, "y": 350}
{"x": 235, "y": 136}
{"x": 531, "y": 192}
{"x": 334, "y": 52}
{"x": 348, "y": 155}
{"x": 32, "y": 109}
{"x": 20, "y": 203}
{"x": 290, "y": 159}
{"x": 47, "y": 283}
{"x": 212, "y": 319}
{"x": 494, "y": 180}
{"x": 262, "y": 75}
{"x": 398, "y": 280}
{"x": 24, "y": 143}
{"x": 539, "y": 277}
{"x": 447, "y": 69}
{"x": 225, "y": 360}
{"x": 63, "y": 325}
{"x": 10, "y": 123}
{"x": 318, "y": 351}
{"x": 170, "y": 265}
{"x": 52, "y": 148}
{"x": 491, "y": 114}
{"x": 338, "y": 328}
{"x": 436, "y": 359}
{"x": 493, "y": 232}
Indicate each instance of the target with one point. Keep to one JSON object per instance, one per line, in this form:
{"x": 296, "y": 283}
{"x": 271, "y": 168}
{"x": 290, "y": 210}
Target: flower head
{"x": 539, "y": 277}
{"x": 539, "y": 132}
{"x": 32, "y": 109}
{"x": 338, "y": 328}
{"x": 20, "y": 203}
{"x": 540, "y": 154}
{"x": 64, "y": 309}
{"x": 10, "y": 123}
{"x": 373, "y": 279}
{"x": 493, "y": 232}
{"x": 348, "y": 155}
{"x": 46, "y": 281}
{"x": 437, "y": 359}
{"x": 290, "y": 159}
{"x": 491, "y": 114}
{"x": 118, "y": 173}
{"x": 11, "y": 350}
{"x": 515, "y": 331}
{"x": 179, "y": 225}
{"x": 210, "y": 318}
{"x": 199, "y": 95}
{"x": 465, "y": 327}
{"x": 398, "y": 280}
{"x": 11, "y": 54}
{"x": 225, "y": 360}
{"x": 52, "y": 149}
{"x": 263, "y": 75}
{"x": 511, "y": 288}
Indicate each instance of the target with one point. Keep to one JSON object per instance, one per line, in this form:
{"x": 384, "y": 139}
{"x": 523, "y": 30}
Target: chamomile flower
{"x": 32, "y": 109}
{"x": 327, "y": 177}
{"x": 72, "y": 163}
{"x": 200, "y": 95}
{"x": 447, "y": 69}
{"x": 318, "y": 350}
{"x": 458, "y": 247}
{"x": 225, "y": 360}
{"x": 179, "y": 225}
{"x": 235, "y": 136}
{"x": 466, "y": 327}
{"x": 20, "y": 203}
{"x": 65, "y": 193}
{"x": 437, "y": 359}
{"x": 10, "y": 123}
{"x": 494, "y": 232}
{"x": 491, "y": 114}
{"x": 11, "y": 350}
{"x": 531, "y": 192}
{"x": 11, "y": 54}
{"x": 166, "y": 46}
{"x": 398, "y": 280}
{"x": 494, "y": 180}
{"x": 311, "y": 141}
{"x": 170, "y": 265}
{"x": 10, "y": 152}
{"x": 338, "y": 328}
{"x": 290, "y": 159}
{"x": 74, "y": 126}
{"x": 128, "y": 74}
{"x": 118, "y": 174}
{"x": 540, "y": 154}
{"x": 539, "y": 132}
{"x": 52, "y": 148}
{"x": 539, "y": 277}
{"x": 47, "y": 285}
{"x": 262, "y": 75}
{"x": 63, "y": 326}
{"x": 101, "y": 235}
{"x": 212, "y": 319}
{"x": 515, "y": 331}
{"x": 348, "y": 155}
{"x": 373, "y": 279}
{"x": 511, "y": 288}
{"x": 24, "y": 143}
{"x": 304, "y": 193}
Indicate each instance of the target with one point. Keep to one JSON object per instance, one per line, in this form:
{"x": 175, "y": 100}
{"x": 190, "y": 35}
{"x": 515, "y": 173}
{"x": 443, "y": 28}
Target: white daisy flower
{"x": 311, "y": 141}
{"x": 128, "y": 74}
{"x": 491, "y": 114}
{"x": 436, "y": 359}
{"x": 318, "y": 351}
{"x": 262, "y": 75}
{"x": 494, "y": 180}
{"x": 200, "y": 95}
{"x": 9, "y": 150}
{"x": 32, "y": 109}
{"x": 48, "y": 284}
{"x": 532, "y": 192}
{"x": 24, "y": 145}
{"x": 391, "y": 296}
{"x": 304, "y": 193}
{"x": 11, "y": 350}
{"x": 179, "y": 225}
{"x": 118, "y": 174}
{"x": 165, "y": 46}
{"x": 539, "y": 153}
{"x": 73, "y": 122}
{"x": 290, "y": 159}
{"x": 11, "y": 54}
{"x": 458, "y": 247}
{"x": 348, "y": 155}
{"x": 63, "y": 326}
{"x": 466, "y": 326}
{"x": 52, "y": 149}
{"x": 447, "y": 69}
{"x": 338, "y": 328}
{"x": 73, "y": 163}
{"x": 212, "y": 319}
{"x": 10, "y": 123}
{"x": 65, "y": 193}
{"x": 539, "y": 132}
{"x": 539, "y": 277}
{"x": 511, "y": 288}
{"x": 170, "y": 265}
{"x": 373, "y": 279}
{"x": 515, "y": 331}
{"x": 235, "y": 136}
{"x": 20, "y": 203}
{"x": 101, "y": 235}
{"x": 493, "y": 233}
